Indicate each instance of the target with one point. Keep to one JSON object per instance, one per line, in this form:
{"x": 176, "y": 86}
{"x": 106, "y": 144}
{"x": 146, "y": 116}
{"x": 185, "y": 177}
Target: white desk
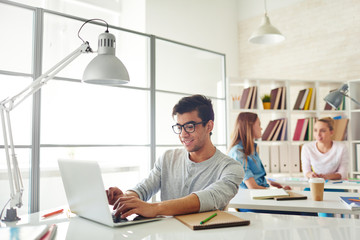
{"x": 332, "y": 184}
{"x": 330, "y": 204}
{"x": 262, "y": 226}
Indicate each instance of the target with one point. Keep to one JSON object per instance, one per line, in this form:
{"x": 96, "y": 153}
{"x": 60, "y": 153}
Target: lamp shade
{"x": 335, "y": 98}
{"x": 266, "y": 33}
{"x": 106, "y": 68}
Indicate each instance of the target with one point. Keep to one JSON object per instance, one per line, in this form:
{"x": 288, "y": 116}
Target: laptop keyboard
{"x": 118, "y": 219}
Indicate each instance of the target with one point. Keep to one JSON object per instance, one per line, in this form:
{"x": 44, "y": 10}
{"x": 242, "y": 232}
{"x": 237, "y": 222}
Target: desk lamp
{"x": 335, "y": 98}
{"x": 104, "y": 69}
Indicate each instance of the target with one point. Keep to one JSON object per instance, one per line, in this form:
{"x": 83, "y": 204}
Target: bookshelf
{"x": 354, "y": 134}
{"x": 289, "y": 147}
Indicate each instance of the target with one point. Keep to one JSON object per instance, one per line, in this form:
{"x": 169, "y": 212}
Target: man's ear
{"x": 210, "y": 125}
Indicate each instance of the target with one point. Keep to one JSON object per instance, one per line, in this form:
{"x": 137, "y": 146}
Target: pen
{"x": 53, "y": 213}
{"x": 338, "y": 182}
{"x": 207, "y": 219}
{"x": 355, "y": 200}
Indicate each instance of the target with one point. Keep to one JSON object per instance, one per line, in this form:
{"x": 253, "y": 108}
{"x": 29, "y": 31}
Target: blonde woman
{"x": 324, "y": 157}
{"x": 243, "y": 149}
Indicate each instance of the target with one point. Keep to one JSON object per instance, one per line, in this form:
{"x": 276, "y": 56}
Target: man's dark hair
{"x": 197, "y": 102}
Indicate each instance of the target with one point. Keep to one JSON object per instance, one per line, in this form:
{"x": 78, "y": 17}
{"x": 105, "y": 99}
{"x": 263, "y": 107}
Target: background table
{"x": 330, "y": 204}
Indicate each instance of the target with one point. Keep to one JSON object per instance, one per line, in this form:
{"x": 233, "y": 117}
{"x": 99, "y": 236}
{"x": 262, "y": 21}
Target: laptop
{"x": 86, "y": 195}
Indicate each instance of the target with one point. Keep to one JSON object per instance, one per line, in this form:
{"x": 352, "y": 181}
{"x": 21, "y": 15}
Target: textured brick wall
{"x": 322, "y": 43}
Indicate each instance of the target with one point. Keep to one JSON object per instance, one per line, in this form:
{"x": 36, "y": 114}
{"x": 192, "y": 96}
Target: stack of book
{"x": 275, "y": 130}
{"x": 305, "y": 99}
{"x": 305, "y": 127}
{"x": 278, "y": 98}
{"x": 248, "y": 98}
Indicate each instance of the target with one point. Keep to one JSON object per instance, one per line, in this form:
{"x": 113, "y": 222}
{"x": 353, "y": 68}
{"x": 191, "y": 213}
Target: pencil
{"x": 53, "y": 213}
{"x": 207, "y": 219}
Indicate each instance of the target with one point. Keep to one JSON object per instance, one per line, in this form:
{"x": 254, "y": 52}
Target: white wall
{"x": 210, "y": 24}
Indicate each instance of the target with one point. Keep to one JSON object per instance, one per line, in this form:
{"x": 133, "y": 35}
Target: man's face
{"x": 196, "y": 140}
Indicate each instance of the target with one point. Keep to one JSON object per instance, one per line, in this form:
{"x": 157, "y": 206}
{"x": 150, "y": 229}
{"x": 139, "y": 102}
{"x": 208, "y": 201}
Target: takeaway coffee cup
{"x": 317, "y": 188}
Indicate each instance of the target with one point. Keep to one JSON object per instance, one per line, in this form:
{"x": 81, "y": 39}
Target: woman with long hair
{"x": 244, "y": 150}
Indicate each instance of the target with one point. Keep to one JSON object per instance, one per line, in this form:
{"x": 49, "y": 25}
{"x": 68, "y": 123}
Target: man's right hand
{"x": 113, "y": 194}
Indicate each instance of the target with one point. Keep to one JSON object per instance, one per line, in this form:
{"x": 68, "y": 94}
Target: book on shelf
{"x": 282, "y": 104}
{"x": 340, "y": 126}
{"x": 270, "y": 130}
{"x": 283, "y": 133}
{"x": 268, "y": 193}
{"x": 352, "y": 203}
{"x": 253, "y": 98}
{"x": 300, "y": 129}
{"x": 308, "y": 99}
{"x": 299, "y": 99}
{"x": 277, "y": 131}
{"x": 312, "y": 105}
{"x": 303, "y": 100}
{"x": 221, "y": 219}
{"x": 275, "y": 95}
{"x": 244, "y": 97}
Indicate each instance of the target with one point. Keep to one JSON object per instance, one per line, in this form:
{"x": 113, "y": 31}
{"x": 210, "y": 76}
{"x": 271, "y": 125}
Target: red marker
{"x": 53, "y": 213}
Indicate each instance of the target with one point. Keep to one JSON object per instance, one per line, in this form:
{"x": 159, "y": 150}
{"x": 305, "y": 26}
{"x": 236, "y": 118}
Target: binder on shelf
{"x": 295, "y": 158}
{"x": 299, "y": 99}
{"x": 274, "y": 159}
{"x": 303, "y": 100}
{"x": 340, "y": 126}
{"x": 270, "y": 130}
{"x": 284, "y": 161}
{"x": 308, "y": 99}
{"x": 264, "y": 154}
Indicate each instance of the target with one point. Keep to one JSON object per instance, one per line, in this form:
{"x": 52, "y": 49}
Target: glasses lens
{"x": 189, "y": 128}
{"x": 176, "y": 129}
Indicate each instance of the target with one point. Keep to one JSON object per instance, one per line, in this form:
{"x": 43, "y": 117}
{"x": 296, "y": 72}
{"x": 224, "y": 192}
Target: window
{"x": 117, "y": 126}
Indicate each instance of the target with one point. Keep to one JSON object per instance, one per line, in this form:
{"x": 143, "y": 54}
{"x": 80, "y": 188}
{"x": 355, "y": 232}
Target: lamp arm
{"x": 354, "y": 100}
{"x": 8, "y": 104}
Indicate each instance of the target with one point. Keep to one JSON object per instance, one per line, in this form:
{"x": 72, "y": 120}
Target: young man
{"x": 195, "y": 179}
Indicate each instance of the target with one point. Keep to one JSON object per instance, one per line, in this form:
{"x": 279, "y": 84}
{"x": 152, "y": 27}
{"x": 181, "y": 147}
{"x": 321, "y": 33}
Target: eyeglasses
{"x": 188, "y": 127}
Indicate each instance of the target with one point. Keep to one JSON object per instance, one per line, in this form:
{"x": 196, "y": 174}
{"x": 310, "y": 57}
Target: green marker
{"x": 207, "y": 219}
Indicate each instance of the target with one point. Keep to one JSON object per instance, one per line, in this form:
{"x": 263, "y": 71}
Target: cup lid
{"x": 316, "y": 180}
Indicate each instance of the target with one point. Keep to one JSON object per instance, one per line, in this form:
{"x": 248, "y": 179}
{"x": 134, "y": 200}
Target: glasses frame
{"x": 183, "y": 126}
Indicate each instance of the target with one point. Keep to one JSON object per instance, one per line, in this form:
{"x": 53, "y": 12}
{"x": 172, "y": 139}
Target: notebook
{"x": 268, "y": 193}
{"x": 86, "y": 195}
{"x": 222, "y": 219}
{"x": 352, "y": 203}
